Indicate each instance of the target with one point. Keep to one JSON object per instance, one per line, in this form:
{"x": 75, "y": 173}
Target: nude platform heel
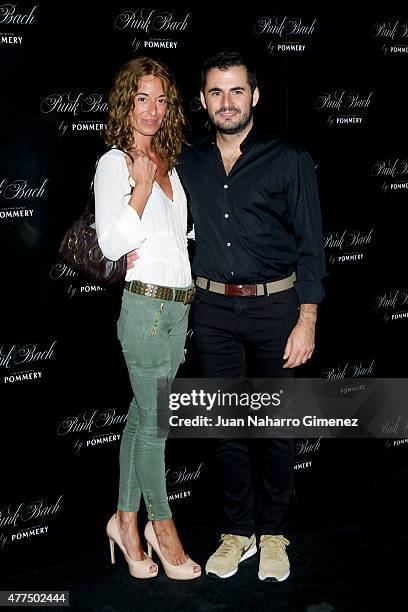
{"x": 176, "y": 572}
{"x": 137, "y": 569}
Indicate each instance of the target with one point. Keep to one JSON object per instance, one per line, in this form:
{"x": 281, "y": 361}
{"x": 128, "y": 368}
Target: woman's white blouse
{"x": 160, "y": 236}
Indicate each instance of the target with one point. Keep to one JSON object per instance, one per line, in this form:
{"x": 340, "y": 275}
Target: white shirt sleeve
{"x": 118, "y": 226}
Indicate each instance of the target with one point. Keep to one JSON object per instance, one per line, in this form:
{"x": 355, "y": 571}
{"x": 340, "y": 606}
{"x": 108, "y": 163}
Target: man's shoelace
{"x": 274, "y": 547}
{"x": 230, "y": 543}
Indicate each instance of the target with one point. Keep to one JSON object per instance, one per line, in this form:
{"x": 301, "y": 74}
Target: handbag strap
{"x": 90, "y": 203}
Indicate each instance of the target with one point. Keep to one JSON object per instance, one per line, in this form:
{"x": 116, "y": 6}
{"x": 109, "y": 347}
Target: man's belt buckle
{"x": 240, "y": 289}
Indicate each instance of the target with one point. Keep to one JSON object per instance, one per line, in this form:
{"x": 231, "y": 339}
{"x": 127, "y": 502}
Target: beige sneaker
{"x": 274, "y": 562}
{"x": 234, "y": 549}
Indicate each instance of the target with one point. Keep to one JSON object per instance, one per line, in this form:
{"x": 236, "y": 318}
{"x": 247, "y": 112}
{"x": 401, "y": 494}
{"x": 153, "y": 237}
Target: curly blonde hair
{"x": 167, "y": 142}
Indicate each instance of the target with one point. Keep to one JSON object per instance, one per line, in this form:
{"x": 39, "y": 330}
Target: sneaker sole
{"x": 272, "y": 578}
{"x": 247, "y": 554}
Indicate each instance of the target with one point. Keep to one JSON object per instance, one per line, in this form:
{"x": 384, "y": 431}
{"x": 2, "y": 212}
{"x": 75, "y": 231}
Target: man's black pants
{"x": 237, "y": 337}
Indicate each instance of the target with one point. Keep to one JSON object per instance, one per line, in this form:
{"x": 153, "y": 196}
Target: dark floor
{"x": 336, "y": 568}
{"x": 347, "y": 550}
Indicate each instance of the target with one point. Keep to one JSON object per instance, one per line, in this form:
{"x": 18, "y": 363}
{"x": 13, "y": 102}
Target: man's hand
{"x": 131, "y": 258}
{"x": 301, "y": 342}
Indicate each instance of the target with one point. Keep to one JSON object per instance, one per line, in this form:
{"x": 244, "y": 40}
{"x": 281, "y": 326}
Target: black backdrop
{"x": 332, "y": 80}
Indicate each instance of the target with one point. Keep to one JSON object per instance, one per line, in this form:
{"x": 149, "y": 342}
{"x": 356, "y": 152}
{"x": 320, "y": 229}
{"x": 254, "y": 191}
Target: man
{"x": 258, "y": 263}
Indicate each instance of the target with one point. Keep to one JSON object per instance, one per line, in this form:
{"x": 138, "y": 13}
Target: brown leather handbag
{"x": 80, "y": 249}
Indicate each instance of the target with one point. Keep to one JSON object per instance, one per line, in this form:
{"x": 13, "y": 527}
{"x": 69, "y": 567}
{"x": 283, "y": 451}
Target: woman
{"x": 140, "y": 204}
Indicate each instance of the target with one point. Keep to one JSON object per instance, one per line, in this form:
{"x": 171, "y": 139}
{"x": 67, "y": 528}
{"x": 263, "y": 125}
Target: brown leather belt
{"x": 185, "y": 296}
{"x": 246, "y": 290}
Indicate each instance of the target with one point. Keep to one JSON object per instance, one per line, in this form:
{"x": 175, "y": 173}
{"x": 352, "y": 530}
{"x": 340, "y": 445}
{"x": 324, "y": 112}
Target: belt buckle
{"x": 240, "y": 290}
{"x": 249, "y": 289}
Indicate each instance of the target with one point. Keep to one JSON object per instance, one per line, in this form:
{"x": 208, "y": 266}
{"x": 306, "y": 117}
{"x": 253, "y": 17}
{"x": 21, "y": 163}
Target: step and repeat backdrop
{"x": 333, "y": 81}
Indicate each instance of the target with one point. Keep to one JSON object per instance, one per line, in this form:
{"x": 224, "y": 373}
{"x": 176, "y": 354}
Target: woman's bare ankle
{"x": 164, "y": 525}
{"x": 126, "y": 519}
{"x": 169, "y": 541}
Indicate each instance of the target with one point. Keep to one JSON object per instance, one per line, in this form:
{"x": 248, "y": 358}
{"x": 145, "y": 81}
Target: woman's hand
{"x": 142, "y": 170}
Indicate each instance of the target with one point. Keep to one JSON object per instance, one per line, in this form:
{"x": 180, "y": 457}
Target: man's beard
{"x": 243, "y": 120}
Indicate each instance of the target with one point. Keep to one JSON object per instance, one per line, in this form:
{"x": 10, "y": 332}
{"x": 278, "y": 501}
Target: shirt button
{"x": 226, "y": 215}
{"x": 228, "y": 244}
{"x": 232, "y": 274}
{"x": 225, "y": 186}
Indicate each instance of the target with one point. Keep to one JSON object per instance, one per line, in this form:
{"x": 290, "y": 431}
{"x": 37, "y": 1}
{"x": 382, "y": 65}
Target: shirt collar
{"x": 251, "y": 138}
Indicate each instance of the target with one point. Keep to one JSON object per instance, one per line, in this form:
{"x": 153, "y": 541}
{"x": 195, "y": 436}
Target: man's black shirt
{"x": 260, "y": 222}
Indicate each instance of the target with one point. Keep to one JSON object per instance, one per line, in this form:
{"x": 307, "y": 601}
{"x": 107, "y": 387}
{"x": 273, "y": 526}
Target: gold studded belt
{"x": 185, "y": 296}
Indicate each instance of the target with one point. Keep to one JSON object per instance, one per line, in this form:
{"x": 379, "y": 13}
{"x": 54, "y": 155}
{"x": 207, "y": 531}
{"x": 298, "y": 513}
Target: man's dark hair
{"x": 223, "y": 60}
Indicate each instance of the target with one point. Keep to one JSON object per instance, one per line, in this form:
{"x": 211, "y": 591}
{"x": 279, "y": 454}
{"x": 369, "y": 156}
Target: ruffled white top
{"x": 160, "y": 236}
